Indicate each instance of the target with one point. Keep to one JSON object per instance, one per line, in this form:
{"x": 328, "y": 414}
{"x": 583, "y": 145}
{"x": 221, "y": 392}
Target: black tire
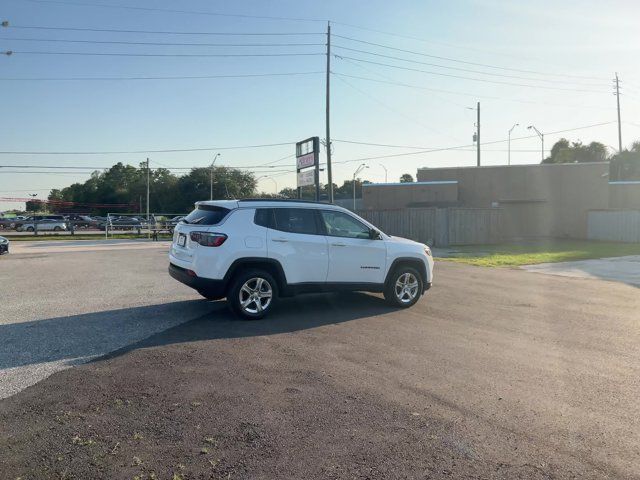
{"x": 29, "y": 229}
{"x": 252, "y": 311}
{"x": 56, "y": 229}
{"x": 403, "y": 296}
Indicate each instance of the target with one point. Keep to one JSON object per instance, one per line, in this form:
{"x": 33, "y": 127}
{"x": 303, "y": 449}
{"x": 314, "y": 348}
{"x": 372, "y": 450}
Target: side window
{"x": 264, "y": 217}
{"x": 296, "y": 220}
{"x": 340, "y": 224}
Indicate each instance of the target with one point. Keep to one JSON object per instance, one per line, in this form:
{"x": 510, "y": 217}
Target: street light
{"x": 541, "y": 135}
{"x": 361, "y": 167}
{"x": 272, "y": 179}
{"x": 35, "y": 220}
{"x": 385, "y": 172}
{"x": 509, "y": 149}
{"x": 211, "y": 177}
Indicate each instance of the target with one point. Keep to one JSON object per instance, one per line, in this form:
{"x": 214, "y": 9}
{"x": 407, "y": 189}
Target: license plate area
{"x": 182, "y": 240}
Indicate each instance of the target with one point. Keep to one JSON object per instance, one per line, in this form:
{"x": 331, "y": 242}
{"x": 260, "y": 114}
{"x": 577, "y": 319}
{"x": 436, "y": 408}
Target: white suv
{"x": 254, "y": 251}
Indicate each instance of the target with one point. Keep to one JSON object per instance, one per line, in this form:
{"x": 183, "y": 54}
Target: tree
{"x": 576, "y": 152}
{"x": 626, "y": 164}
{"x": 33, "y": 206}
{"x": 289, "y": 192}
{"x": 125, "y": 184}
{"x": 406, "y": 178}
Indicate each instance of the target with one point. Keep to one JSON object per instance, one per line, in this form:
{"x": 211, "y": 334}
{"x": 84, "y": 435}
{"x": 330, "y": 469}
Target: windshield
{"x": 206, "y": 215}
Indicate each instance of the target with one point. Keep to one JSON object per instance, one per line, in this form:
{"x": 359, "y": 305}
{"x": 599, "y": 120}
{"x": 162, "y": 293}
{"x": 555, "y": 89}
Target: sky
{"x": 406, "y": 78}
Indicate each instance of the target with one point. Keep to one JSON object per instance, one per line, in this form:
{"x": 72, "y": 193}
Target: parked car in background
{"x": 80, "y": 221}
{"x": 123, "y": 223}
{"x": 171, "y": 224}
{"x": 44, "y": 225}
{"x": 7, "y": 222}
{"x": 38, "y": 218}
{"x": 4, "y": 245}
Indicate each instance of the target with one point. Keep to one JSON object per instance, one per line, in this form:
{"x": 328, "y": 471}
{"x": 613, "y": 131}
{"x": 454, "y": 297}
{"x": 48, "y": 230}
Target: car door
{"x": 294, "y": 239}
{"x": 354, "y": 257}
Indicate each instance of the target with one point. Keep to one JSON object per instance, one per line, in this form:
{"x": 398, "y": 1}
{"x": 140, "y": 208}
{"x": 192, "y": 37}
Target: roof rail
{"x": 292, "y": 200}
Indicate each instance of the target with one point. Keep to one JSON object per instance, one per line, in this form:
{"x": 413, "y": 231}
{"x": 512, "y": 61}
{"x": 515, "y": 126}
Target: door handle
{"x": 339, "y": 244}
{"x": 281, "y": 240}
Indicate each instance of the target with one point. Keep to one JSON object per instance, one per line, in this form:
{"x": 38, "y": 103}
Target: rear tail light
{"x": 207, "y": 239}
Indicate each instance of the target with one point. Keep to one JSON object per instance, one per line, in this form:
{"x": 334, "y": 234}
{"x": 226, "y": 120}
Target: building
{"x": 542, "y": 200}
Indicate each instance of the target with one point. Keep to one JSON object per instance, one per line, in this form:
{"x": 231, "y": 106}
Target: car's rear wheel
{"x": 29, "y": 229}
{"x": 404, "y": 288}
{"x": 252, "y": 294}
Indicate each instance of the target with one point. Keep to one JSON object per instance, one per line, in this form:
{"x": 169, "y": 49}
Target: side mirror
{"x": 374, "y": 234}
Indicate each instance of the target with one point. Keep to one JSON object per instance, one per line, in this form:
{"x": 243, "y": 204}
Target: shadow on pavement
{"x": 122, "y": 330}
{"x": 90, "y": 334}
{"x": 292, "y": 314}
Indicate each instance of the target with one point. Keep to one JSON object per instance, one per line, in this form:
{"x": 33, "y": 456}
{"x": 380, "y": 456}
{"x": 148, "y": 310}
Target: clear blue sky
{"x": 580, "y": 38}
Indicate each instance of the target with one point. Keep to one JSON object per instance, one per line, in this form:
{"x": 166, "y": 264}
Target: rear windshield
{"x": 206, "y": 215}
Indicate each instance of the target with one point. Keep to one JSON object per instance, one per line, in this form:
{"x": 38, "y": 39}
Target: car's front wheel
{"x": 252, "y": 294}
{"x": 404, "y": 288}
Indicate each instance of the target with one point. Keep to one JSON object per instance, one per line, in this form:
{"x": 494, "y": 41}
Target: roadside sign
{"x": 307, "y": 154}
{"x": 308, "y": 177}
{"x": 308, "y": 160}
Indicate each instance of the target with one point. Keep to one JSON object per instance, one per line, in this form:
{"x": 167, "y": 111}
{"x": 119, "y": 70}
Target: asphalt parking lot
{"x": 496, "y": 373}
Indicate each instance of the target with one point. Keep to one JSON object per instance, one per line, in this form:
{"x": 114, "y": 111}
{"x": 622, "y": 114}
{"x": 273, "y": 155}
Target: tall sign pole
{"x": 619, "y": 124}
{"x": 327, "y": 114}
{"x": 478, "y": 137}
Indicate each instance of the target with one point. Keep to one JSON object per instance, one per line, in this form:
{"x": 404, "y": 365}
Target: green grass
{"x": 542, "y": 252}
{"x": 49, "y": 237}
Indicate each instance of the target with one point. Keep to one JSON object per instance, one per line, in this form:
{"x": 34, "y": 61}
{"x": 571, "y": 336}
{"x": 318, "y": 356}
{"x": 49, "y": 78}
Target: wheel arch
{"x": 412, "y": 262}
{"x": 268, "y": 264}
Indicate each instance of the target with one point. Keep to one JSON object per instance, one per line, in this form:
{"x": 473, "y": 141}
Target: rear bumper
{"x": 205, "y": 285}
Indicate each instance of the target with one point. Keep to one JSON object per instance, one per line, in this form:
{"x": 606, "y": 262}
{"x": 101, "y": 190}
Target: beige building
{"x": 535, "y": 200}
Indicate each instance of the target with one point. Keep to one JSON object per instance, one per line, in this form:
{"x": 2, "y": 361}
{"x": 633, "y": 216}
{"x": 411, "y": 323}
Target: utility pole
{"x": 478, "y": 134}
{"x": 617, "y": 80}
{"x": 327, "y": 114}
{"x": 147, "y": 190}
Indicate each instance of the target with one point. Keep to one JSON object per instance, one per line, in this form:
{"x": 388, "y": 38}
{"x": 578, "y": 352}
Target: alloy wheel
{"x": 255, "y": 295}
{"x": 406, "y": 288}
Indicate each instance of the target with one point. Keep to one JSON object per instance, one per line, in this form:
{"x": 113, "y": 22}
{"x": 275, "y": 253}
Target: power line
{"x": 452, "y": 92}
{"x": 463, "y": 61}
{"x": 170, "y": 150}
{"x": 464, "y": 69}
{"x": 186, "y": 77}
{"x": 457, "y": 147}
{"x": 165, "y": 167}
{"x": 123, "y": 54}
{"x": 171, "y": 44}
{"x": 170, "y": 10}
{"x": 392, "y": 109}
{"x": 161, "y": 32}
{"x": 484, "y": 80}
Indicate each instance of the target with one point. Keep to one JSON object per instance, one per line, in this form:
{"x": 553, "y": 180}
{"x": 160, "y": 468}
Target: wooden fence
{"x": 440, "y": 226}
